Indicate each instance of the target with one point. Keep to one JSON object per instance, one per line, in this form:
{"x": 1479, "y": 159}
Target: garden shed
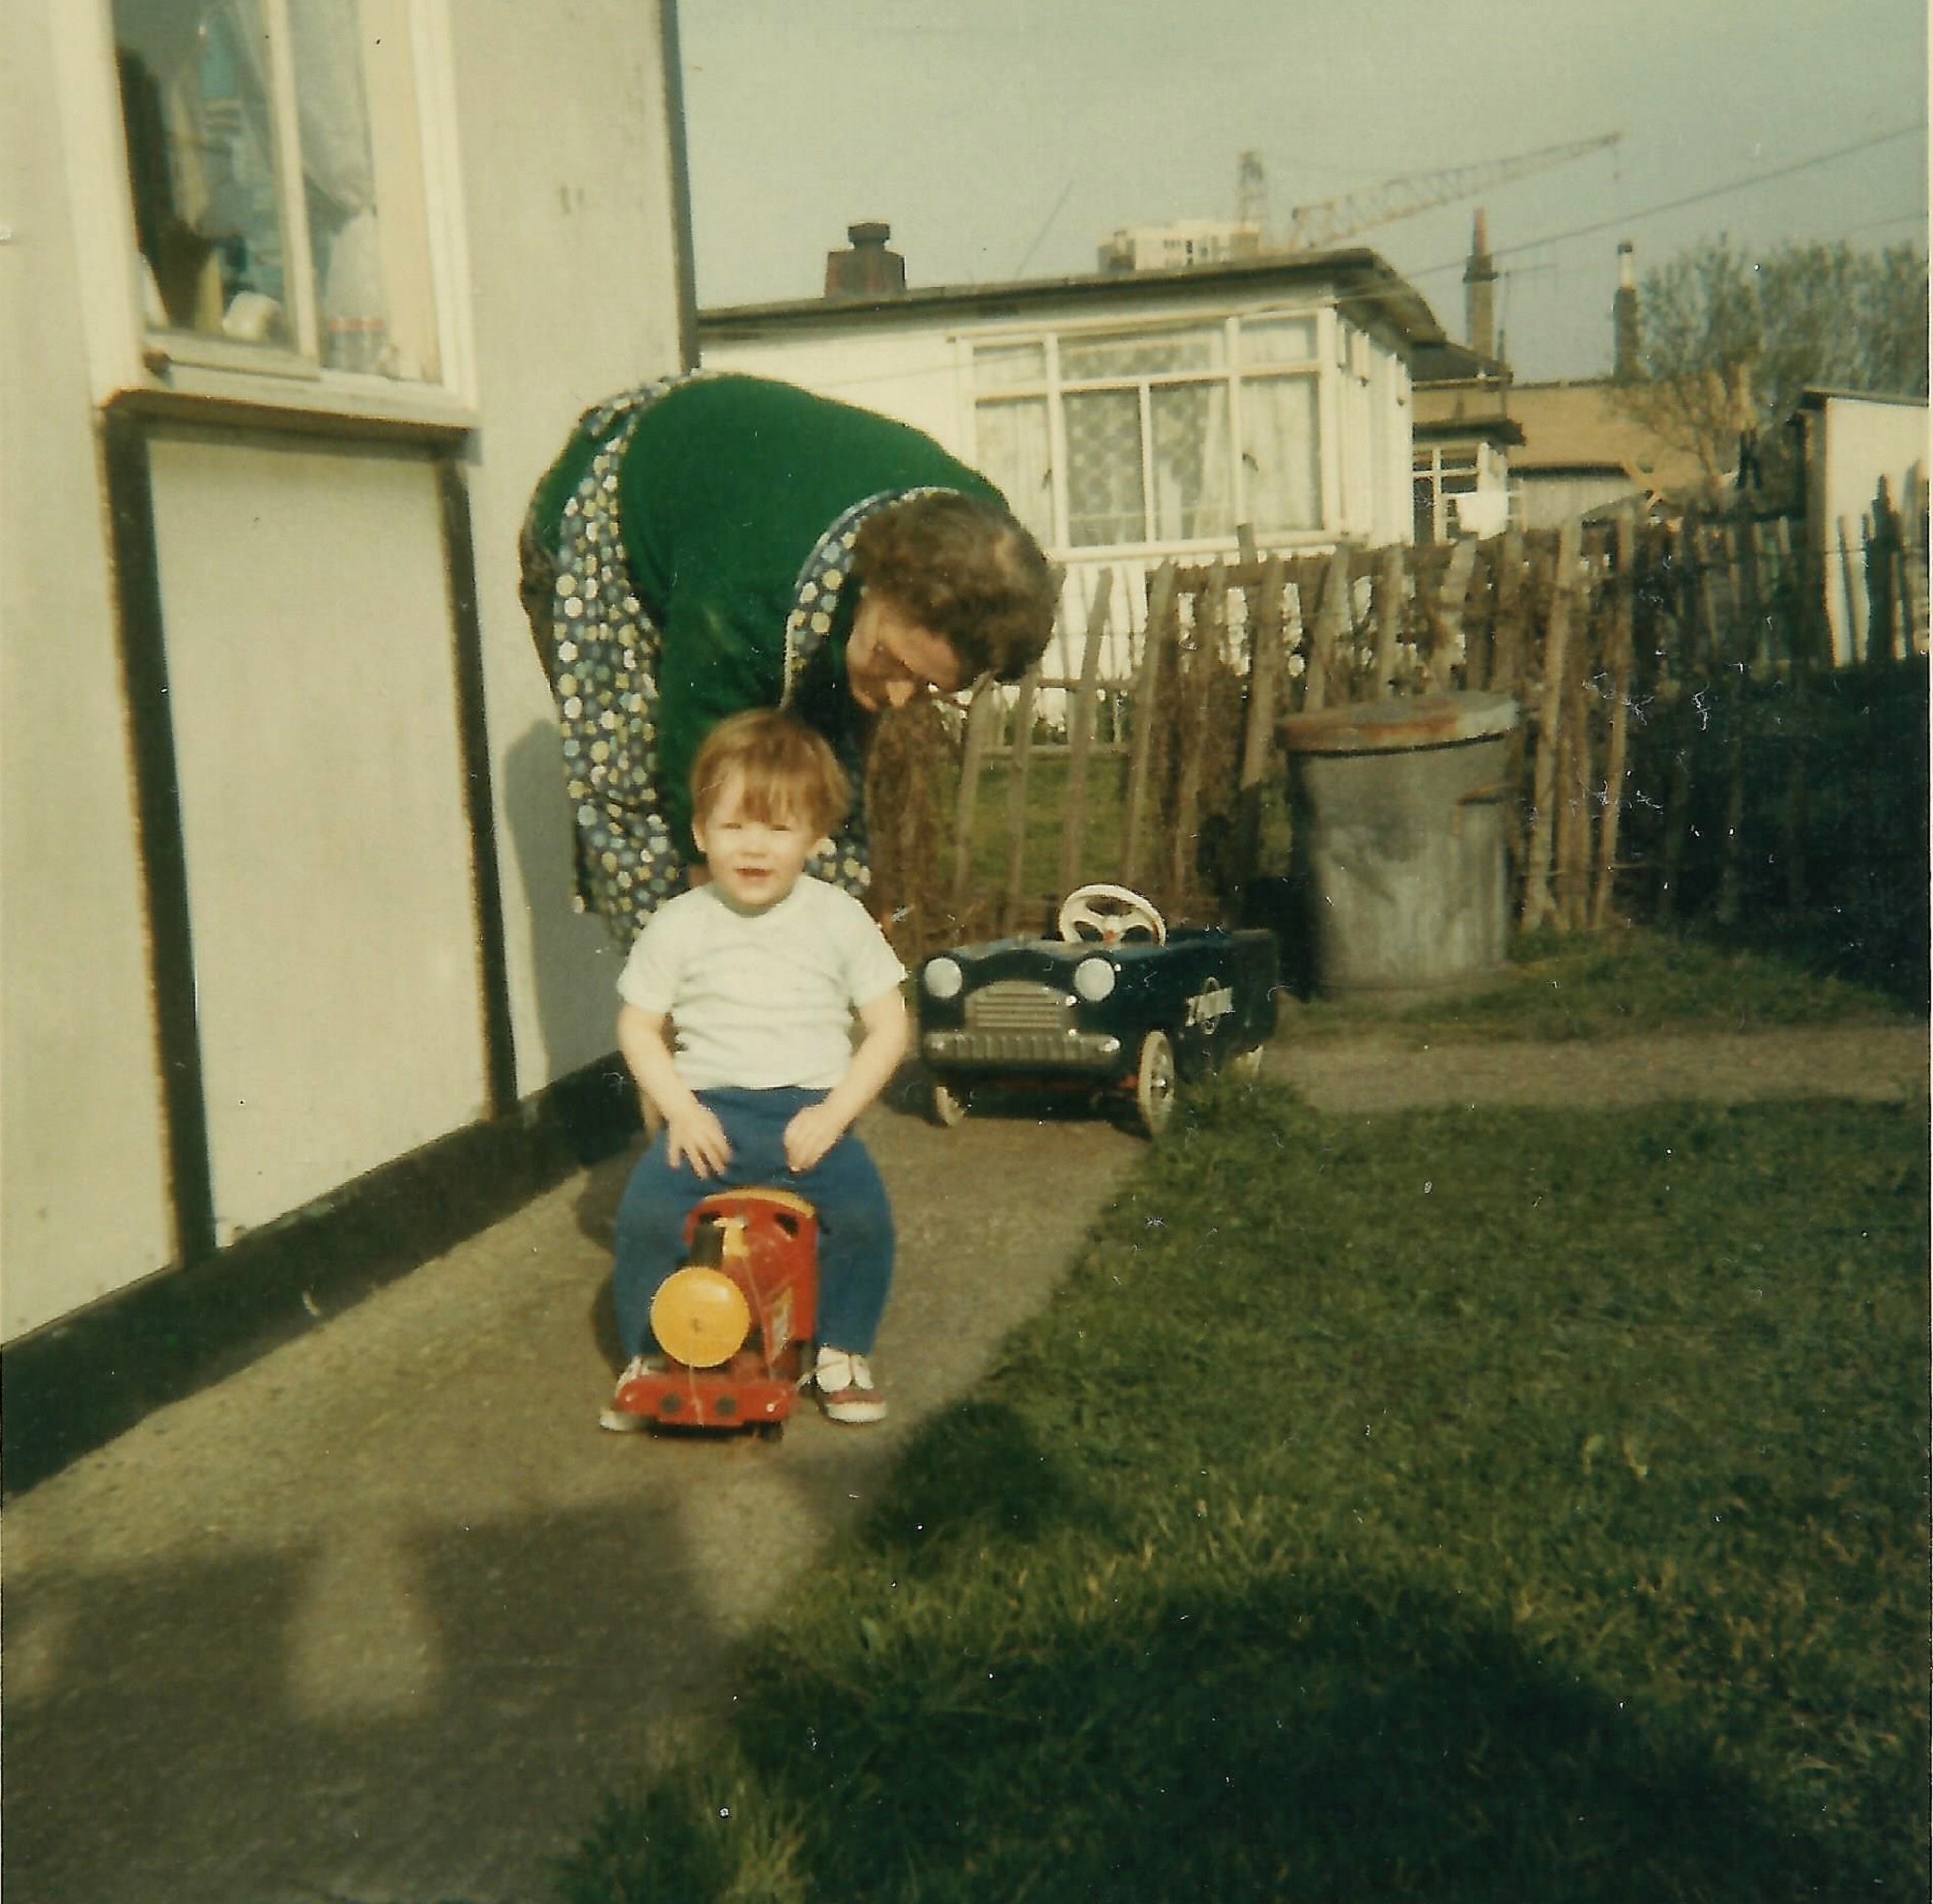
{"x": 1865, "y": 462}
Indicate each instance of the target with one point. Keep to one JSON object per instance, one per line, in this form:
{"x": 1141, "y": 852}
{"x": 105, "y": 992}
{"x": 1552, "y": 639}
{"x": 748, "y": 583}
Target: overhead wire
{"x": 1690, "y": 198}
{"x": 1917, "y": 218}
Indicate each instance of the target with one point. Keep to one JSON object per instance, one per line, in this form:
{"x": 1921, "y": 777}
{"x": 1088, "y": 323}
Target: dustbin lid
{"x": 1401, "y": 723}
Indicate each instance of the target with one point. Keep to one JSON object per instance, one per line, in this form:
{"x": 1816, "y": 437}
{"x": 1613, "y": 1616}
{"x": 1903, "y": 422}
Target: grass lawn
{"x": 1620, "y": 983}
{"x": 1452, "y": 1506}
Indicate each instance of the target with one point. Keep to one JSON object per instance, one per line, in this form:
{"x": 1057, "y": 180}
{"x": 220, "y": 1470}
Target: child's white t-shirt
{"x": 763, "y": 999}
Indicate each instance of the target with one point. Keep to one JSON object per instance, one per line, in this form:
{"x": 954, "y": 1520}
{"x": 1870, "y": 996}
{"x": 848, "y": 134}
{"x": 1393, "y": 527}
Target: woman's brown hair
{"x": 970, "y": 572}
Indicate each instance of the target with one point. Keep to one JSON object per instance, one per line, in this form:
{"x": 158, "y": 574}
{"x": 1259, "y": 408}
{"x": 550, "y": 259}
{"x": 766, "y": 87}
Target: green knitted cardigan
{"x": 726, "y": 492}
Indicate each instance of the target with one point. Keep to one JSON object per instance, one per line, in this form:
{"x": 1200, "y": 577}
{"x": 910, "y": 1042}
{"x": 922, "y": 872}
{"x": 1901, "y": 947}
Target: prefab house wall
{"x": 83, "y": 1194}
{"x": 286, "y": 856}
{"x": 950, "y": 370}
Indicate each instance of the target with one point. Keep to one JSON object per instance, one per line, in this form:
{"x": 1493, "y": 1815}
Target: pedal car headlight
{"x": 942, "y": 978}
{"x": 1093, "y": 979}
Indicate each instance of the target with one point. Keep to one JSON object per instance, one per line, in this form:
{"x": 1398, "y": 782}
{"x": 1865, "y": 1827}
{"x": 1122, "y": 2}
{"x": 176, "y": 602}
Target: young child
{"x": 762, "y": 970}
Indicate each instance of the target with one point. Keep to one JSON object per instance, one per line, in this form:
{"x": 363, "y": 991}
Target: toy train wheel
{"x": 1154, "y": 1084}
{"x": 948, "y": 1106}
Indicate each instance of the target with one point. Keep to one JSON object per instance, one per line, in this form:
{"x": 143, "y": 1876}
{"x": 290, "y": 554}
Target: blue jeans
{"x": 855, "y": 1221}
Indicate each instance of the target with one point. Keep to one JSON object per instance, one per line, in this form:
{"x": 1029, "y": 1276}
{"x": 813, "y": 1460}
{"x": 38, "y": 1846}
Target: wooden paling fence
{"x": 1594, "y": 630}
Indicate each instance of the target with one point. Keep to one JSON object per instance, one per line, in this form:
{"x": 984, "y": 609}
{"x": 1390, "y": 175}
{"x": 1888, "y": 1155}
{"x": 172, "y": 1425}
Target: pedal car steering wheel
{"x": 1110, "y": 914}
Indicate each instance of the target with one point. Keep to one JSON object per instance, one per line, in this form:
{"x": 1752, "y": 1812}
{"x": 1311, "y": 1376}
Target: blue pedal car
{"x": 1116, "y": 1007}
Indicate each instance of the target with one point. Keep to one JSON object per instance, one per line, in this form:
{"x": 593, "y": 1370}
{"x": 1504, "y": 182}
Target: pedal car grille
{"x": 1017, "y": 1004}
{"x": 1015, "y": 1025}
{"x": 1053, "y": 1051}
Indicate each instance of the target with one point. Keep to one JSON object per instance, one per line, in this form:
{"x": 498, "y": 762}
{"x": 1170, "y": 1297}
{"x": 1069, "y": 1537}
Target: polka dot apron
{"x": 604, "y": 652}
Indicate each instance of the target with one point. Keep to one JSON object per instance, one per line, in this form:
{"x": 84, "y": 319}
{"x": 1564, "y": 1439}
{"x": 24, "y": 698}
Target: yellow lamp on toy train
{"x": 701, "y": 1317}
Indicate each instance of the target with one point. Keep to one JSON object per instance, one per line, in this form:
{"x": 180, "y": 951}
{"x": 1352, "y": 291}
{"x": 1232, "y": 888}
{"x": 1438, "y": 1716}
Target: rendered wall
{"x": 82, "y": 1204}
{"x": 573, "y": 262}
{"x": 1549, "y": 502}
{"x": 308, "y": 628}
{"x": 912, "y": 371}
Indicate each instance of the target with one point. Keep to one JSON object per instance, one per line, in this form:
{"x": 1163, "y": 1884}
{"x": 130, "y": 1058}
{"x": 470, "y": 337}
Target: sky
{"x": 1006, "y": 138}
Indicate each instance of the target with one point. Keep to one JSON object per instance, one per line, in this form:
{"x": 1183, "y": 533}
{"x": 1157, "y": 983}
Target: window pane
{"x": 202, "y": 161}
{"x": 360, "y": 159}
{"x": 1277, "y": 340}
{"x": 1280, "y": 453}
{"x": 1013, "y": 455}
{"x": 1147, "y": 355}
{"x": 1192, "y": 477}
{"x": 1000, "y": 366}
{"x": 1104, "y": 468}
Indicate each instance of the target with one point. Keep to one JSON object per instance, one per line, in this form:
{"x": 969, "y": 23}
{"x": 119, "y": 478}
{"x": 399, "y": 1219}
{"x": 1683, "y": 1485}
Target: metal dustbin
{"x": 1397, "y": 809}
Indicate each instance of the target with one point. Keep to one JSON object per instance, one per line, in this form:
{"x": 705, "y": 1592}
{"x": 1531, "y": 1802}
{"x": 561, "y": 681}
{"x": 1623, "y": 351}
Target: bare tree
{"x": 1729, "y": 342}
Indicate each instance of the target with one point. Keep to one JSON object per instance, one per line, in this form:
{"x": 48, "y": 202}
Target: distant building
{"x": 1850, "y": 443}
{"x": 1492, "y": 451}
{"x": 1178, "y": 246}
{"x": 1463, "y": 439}
{"x": 1463, "y": 432}
{"x": 1138, "y": 415}
{"x": 1582, "y": 452}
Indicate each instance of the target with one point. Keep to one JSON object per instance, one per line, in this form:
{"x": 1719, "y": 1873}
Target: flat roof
{"x": 1817, "y": 397}
{"x": 1359, "y": 278}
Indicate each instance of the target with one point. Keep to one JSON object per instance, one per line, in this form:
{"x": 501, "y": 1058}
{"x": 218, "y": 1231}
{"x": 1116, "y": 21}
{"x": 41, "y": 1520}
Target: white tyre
{"x": 949, "y": 1108}
{"x": 1154, "y": 1084}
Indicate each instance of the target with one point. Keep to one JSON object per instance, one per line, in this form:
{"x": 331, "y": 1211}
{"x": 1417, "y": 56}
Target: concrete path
{"x": 379, "y": 1618}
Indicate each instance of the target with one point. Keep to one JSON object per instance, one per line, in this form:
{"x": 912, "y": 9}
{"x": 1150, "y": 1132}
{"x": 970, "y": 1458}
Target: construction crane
{"x": 1317, "y": 227}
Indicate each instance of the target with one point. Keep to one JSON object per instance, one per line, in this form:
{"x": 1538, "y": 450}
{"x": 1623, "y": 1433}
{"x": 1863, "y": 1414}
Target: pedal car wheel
{"x": 1154, "y": 1084}
{"x": 1246, "y": 1065}
{"x": 948, "y": 1106}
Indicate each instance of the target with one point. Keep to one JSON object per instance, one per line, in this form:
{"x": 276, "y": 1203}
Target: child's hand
{"x": 698, "y": 1138}
{"x": 810, "y": 1135}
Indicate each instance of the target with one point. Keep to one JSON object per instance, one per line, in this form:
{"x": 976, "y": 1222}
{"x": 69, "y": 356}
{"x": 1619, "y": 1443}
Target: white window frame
{"x": 1487, "y": 474}
{"x": 1053, "y": 388}
{"x": 126, "y": 359}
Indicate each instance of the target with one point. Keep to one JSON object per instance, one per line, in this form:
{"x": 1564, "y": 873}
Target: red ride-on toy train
{"x": 734, "y": 1321}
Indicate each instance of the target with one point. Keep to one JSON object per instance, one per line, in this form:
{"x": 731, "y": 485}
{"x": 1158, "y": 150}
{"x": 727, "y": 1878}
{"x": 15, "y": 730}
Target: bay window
{"x": 1161, "y": 434}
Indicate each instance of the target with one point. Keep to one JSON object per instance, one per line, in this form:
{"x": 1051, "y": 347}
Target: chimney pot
{"x": 1625, "y": 336}
{"x": 868, "y": 269}
{"x": 1480, "y": 277}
